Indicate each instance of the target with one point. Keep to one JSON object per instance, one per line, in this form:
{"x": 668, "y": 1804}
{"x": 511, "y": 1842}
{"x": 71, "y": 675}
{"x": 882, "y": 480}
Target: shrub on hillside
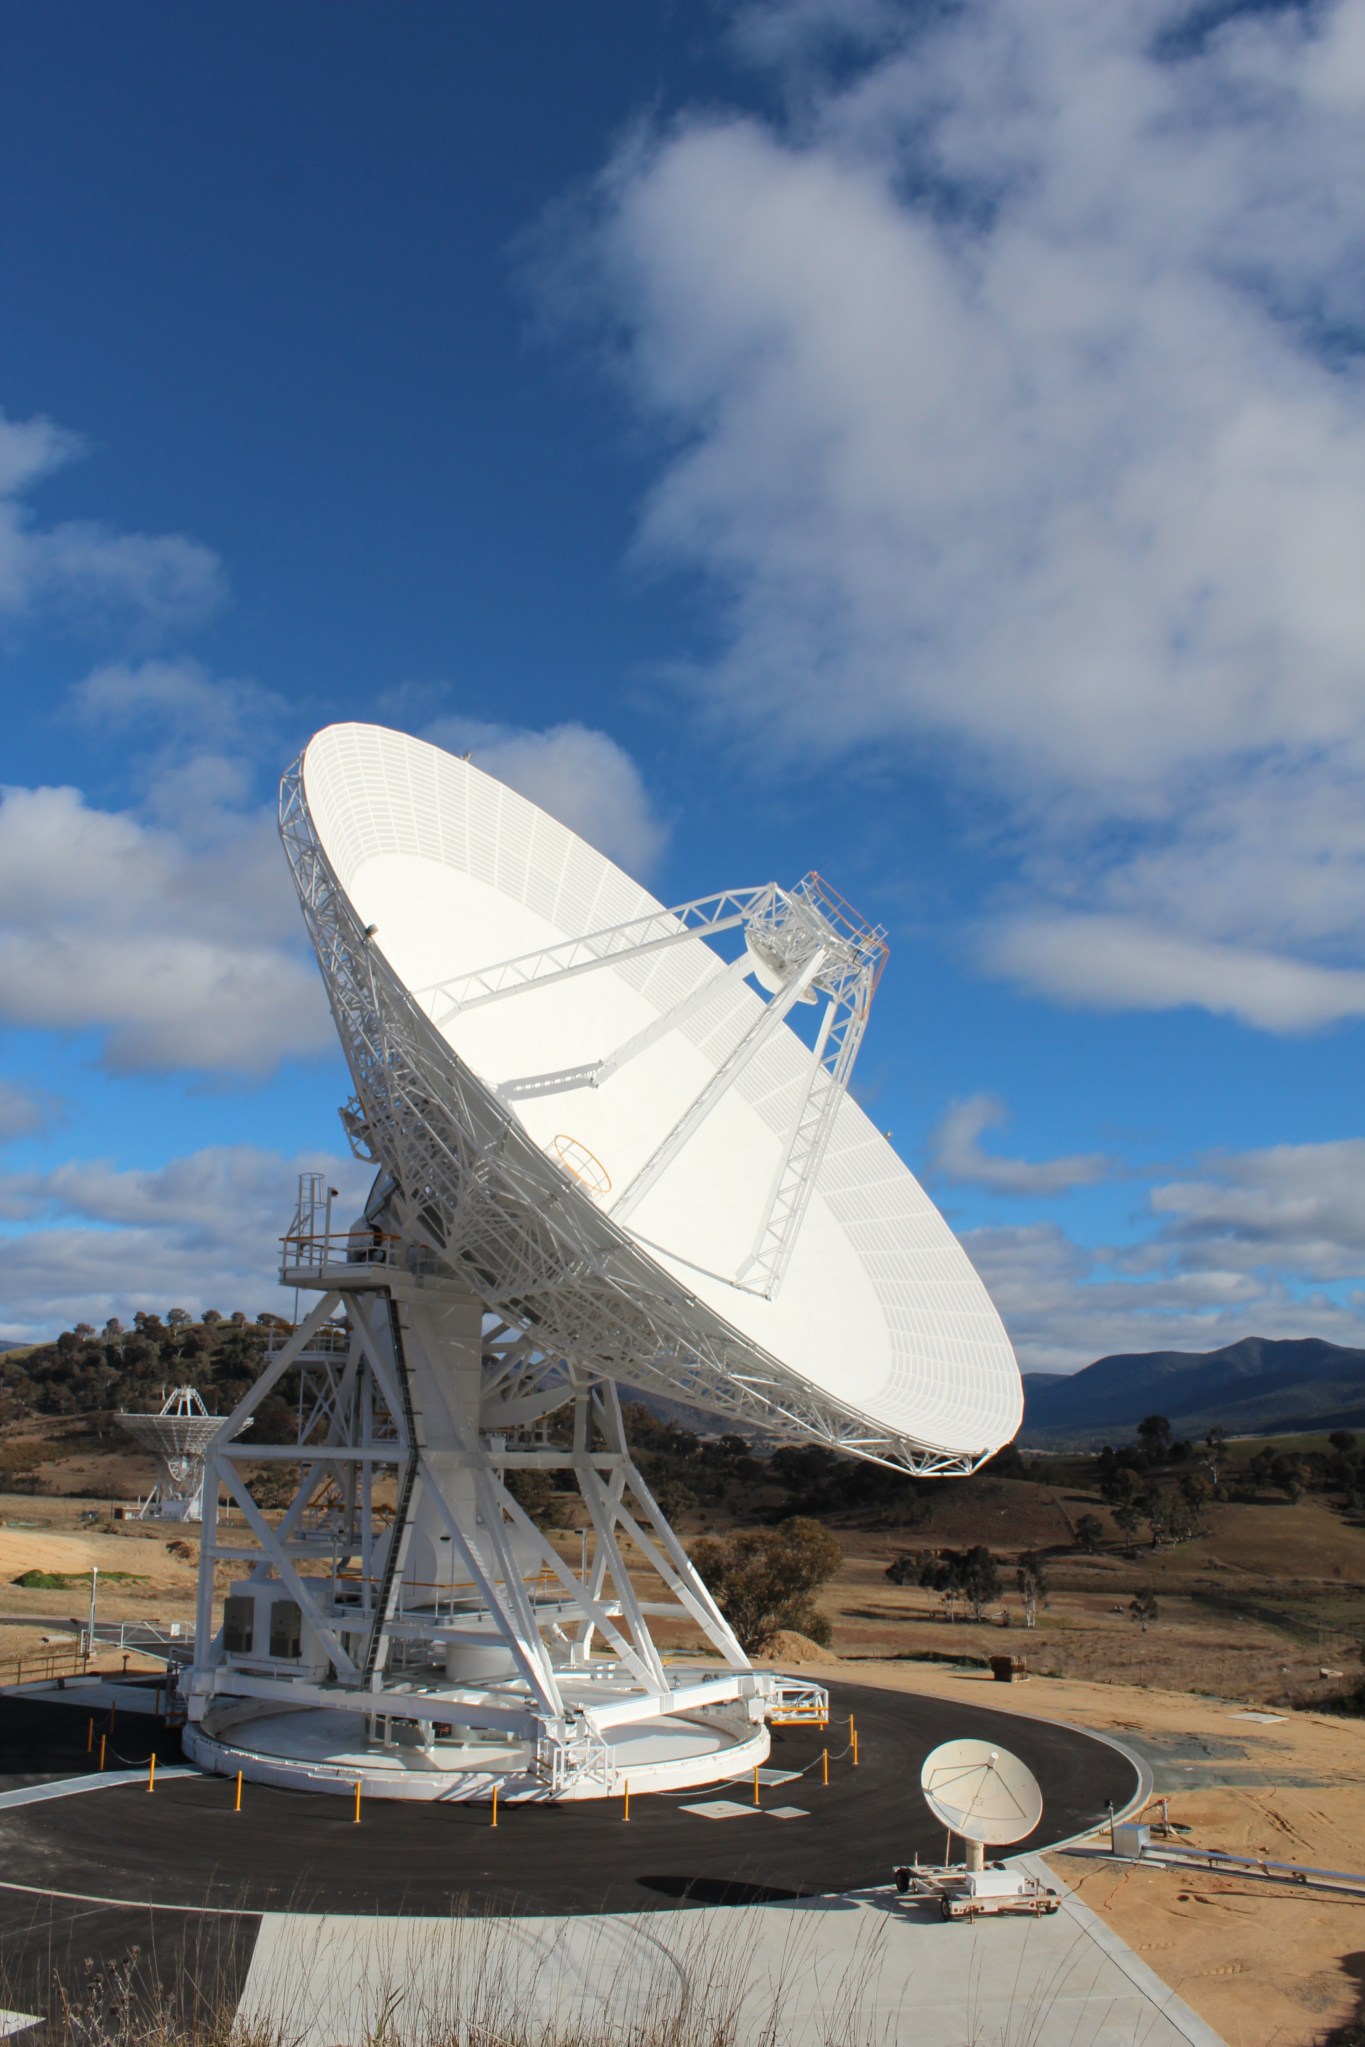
{"x": 762, "y": 1579}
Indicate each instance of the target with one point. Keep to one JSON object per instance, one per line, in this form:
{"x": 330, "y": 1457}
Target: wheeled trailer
{"x": 964, "y": 1893}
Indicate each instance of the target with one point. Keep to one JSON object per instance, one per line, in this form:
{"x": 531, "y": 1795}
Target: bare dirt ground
{"x": 147, "y": 1573}
{"x": 1267, "y": 1965}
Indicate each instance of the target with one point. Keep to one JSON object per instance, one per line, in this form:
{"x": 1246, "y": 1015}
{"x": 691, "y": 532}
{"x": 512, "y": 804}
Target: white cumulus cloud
{"x": 1101, "y": 962}
{"x": 1298, "y": 1207}
{"x": 181, "y": 948}
{"x": 200, "y": 1231}
{"x": 581, "y": 776}
{"x": 1258, "y": 1243}
{"x": 169, "y": 928}
{"x": 1011, "y": 394}
{"x": 956, "y": 1153}
{"x": 79, "y": 570}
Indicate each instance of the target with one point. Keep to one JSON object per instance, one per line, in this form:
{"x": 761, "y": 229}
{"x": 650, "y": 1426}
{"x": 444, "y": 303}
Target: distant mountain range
{"x": 1255, "y": 1387}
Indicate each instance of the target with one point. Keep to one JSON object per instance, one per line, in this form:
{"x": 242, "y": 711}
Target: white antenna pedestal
{"x": 616, "y": 1146}
{"x": 435, "y": 1638}
{"x": 177, "y": 1437}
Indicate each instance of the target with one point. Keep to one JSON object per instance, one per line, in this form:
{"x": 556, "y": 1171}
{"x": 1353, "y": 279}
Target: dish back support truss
{"x": 800, "y": 944}
{"x": 488, "y": 1203}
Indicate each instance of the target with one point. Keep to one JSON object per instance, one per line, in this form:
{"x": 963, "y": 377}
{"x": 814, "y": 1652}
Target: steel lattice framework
{"x": 178, "y": 1437}
{"x": 499, "y": 1215}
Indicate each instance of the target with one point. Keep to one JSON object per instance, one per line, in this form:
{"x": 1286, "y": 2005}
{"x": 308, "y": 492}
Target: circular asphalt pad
{"x": 295, "y": 1851}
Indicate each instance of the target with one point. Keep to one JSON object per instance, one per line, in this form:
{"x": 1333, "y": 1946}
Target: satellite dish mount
{"x": 601, "y": 1161}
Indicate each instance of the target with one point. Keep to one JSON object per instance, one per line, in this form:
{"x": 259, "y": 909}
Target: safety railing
{"x": 585, "y": 1757}
{"x": 314, "y": 1252}
{"x": 796, "y": 1702}
{"x": 45, "y": 1664}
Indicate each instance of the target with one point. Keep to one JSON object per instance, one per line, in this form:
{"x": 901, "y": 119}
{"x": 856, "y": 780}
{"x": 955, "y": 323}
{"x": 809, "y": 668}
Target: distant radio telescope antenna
{"x": 613, "y": 1147}
{"x": 177, "y": 1437}
{"x": 982, "y": 1794}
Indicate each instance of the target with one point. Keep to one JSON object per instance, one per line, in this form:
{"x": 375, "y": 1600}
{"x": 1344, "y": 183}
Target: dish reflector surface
{"x": 880, "y": 1315}
{"x": 981, "y": 1793}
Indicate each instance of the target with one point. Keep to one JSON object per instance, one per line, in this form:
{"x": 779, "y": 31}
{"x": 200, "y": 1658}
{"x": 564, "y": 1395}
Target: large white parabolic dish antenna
{"x": 598, "y": 1119}
{"x": 981, "y": 1793}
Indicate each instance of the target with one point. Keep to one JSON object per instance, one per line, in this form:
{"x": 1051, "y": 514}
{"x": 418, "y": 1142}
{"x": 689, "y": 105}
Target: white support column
{"x": 277, "y": 1368}
{"x": 603, "y": 1509}
{"x": 720, "y": 1083}
{"x": 517, "y": 1630}
{"x": 655, "y": 932}
{"x": 204, "y": 1640}
{"x": 667, "y": 1020}
{"x": 593, "y": 1605}
{"x": 789, "y": 1142}
{"x": 674, "y": 1566}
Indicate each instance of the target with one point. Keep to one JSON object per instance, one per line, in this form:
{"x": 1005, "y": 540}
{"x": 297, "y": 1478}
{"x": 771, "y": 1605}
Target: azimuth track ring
{"x": 290, "y": 1851}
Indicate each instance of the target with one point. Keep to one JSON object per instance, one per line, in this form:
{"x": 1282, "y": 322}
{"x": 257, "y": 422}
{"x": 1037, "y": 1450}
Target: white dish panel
{"x": 880, "y": 1310}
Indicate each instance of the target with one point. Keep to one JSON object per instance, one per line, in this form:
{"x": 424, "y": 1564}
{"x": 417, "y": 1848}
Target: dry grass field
{"x": 1266, "y": 1966}
{"x": 1254, "y": 1609}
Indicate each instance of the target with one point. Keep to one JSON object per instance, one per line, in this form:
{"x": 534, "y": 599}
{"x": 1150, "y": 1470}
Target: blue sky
{"x": 924, "y": 445}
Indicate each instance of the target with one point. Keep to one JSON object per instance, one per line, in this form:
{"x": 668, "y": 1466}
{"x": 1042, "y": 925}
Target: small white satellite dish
{"x": 981, "y": 1793}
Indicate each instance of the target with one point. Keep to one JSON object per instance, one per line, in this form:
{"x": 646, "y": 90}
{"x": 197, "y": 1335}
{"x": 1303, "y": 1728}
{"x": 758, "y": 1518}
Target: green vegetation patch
{"x": 63, "y": 1581}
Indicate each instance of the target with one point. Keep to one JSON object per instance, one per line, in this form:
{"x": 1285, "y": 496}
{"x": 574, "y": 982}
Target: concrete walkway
{"x": 98, "y": 1780}
{"x": 824, "y": 1972}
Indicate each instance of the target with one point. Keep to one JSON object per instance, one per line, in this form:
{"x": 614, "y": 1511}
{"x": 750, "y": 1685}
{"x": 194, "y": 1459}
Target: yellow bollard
{"x": 495, "y": 1805}
{"x": 755, "y": 1783}
{"x": 357, "y": 1803}
{"x": 151, "y": 1771}
{"x": 824, "y": 1765}
{"x": 90, "y": 1736}
{"x": 626, "y": 1814}
{"x": 103, "y": 1739}
{"x": 238, "y": 1806}
{"x": 855, "y": 1749}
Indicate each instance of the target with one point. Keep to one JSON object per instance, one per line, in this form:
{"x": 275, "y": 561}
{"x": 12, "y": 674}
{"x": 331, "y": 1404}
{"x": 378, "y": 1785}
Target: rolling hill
{"x": 1255, "y": 1387}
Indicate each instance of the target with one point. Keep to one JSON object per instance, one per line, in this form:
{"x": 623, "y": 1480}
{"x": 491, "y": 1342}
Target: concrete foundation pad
{"x": 862, "y": 1967}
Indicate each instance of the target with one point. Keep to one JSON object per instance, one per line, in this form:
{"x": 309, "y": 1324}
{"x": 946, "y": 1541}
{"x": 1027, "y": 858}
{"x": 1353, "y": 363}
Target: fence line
{"x": 1313, "y": 1633}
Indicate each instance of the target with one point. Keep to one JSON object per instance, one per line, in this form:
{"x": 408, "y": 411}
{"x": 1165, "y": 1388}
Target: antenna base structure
{"x": 404, "y": 1624}
{"x": 985, "y": 1797}
{"x": 606, "y": 1157}
{"x": 177, "y": 1437}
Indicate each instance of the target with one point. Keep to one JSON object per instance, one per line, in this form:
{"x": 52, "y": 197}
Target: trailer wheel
{"x": 945, "y": 1910}
{"x": 902, "y": 1881}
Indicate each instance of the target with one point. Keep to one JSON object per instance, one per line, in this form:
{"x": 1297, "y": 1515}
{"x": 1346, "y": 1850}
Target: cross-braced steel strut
{"x": 799, "y": 943}
{"x": 652, "y": 933}
{"x": 721, "y": 1081}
